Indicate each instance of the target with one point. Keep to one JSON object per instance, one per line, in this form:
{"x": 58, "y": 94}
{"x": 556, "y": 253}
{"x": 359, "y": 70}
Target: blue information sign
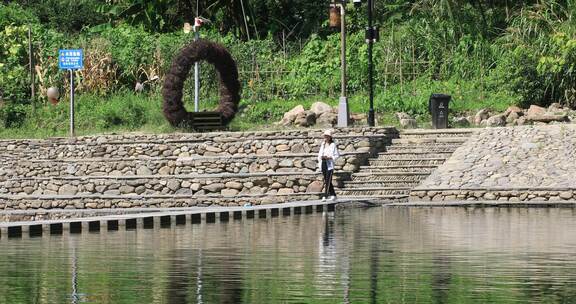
{"x": 70, "y": 59}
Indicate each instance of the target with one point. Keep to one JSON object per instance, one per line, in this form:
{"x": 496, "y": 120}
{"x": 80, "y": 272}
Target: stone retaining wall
{"x": 198, "y": 137}
{"x": 503, "y": 195}
{"x": 45, "y": 215}
{"x": 305, "y": 163}
{"x": 186, "y": 145}
{"x": 516, "y": 164}
{"x": 372, "y": 143}
{"x": 143, "y": 202}
{"x": 176, "y": 170}
{"x": 224, "y": 185}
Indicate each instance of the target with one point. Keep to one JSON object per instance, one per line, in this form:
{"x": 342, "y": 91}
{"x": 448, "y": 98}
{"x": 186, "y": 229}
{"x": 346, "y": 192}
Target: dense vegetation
{"x": 485, "y": 53}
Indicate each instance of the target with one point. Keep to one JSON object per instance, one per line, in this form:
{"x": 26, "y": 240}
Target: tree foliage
{"x": 518, "y": 51}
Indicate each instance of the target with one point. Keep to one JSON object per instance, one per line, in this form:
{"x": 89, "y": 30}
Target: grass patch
{"x": 129, "y": 112}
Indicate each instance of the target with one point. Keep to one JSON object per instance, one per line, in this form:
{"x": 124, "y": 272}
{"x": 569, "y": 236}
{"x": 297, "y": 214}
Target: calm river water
{"x": 378, "y": 255}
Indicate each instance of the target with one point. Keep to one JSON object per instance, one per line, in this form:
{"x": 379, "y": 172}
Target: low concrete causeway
{"x": 162, "y": 217}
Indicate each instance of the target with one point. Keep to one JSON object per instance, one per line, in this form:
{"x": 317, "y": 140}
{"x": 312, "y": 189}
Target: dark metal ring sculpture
{"x": 227, "y": 71}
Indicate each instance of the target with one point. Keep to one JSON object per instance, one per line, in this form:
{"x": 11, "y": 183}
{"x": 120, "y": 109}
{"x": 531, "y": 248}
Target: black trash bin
{"x": 438, "y": 107}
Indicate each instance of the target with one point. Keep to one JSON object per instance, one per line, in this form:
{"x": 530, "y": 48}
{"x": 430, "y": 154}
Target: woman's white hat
{"x": 328, "y": 132}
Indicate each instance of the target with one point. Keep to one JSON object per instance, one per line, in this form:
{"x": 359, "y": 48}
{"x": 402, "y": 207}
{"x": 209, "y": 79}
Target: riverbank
{"x": 528, "y": 166}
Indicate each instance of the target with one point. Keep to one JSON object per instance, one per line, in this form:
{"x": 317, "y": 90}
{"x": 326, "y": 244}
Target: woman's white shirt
{"x": 330, "y": 151}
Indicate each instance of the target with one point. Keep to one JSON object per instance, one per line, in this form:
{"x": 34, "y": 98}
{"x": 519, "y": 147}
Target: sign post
{"x": 71, "y": 60}
{"x": 71, "y": 103}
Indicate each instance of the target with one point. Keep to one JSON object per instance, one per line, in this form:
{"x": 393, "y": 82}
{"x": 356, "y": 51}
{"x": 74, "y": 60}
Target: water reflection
{"x": 441, "y": 278}
{"x": 75, "y": 296}
{"x": 180, "y": 280}
{"x": 354, "y": 256}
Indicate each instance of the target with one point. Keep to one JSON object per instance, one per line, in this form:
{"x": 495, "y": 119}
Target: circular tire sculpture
{"x": 226, "y": 69}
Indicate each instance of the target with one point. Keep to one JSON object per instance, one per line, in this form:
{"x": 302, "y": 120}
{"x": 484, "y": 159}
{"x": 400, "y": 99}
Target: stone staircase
{"x": 392, "y": 174}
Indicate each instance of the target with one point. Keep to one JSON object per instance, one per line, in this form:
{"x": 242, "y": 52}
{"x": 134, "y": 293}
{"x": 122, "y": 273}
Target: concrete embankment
{"x": 530, "y": 166}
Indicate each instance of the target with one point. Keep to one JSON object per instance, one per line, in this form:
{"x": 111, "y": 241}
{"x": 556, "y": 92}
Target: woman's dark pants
{"x": 328, "y": 187}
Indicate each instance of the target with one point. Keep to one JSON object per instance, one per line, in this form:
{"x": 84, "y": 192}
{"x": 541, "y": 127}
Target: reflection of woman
{"x": 326, "y": 157}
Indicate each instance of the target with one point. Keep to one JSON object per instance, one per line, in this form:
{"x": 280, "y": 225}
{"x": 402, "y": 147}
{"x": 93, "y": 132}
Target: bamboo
{"x": 31, "y": 68}
{"x": 245, "y": 22}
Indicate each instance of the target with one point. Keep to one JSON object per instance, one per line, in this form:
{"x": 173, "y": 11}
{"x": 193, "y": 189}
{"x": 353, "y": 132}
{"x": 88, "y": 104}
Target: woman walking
{"x": 327, "y": 155}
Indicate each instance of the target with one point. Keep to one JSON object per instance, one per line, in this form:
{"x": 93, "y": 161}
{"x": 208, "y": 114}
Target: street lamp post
{"x": 371, "y": 36}
{"x": 343, "y": 115}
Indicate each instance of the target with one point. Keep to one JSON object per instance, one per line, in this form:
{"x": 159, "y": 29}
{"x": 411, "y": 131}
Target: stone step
{"x": 406, "y": 162}
{"x": 409, "y": 160}
{"x": 222, "y": 184}
{"x": 200, "y": 137}
{"x": 389, "y": 190}
{"x": 363, "y": 187}
{"x": 189, "y": 158}
{"x": 430, "y": 140}
{"x": 402, "y": 168}
{"x": 423, "y": 145}
{"x": 376, "y": 197}
{"x": 373, "y": 191}
{"x": 422, "y": 149}
{"x": 376, "y": 200}
{"x": 388, "y": 173}
{"x": 391, "y": 169}
{"x": 437, "y": 133}
{"x": 412, "y": 156}
{"x": 307, "y": 163}
{"x": 388, "y": 184}
{"x": 389, "y": 177}
{"x": 223, "y": 146}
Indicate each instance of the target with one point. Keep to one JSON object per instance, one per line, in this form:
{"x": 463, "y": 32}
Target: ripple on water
{"x": 355, "y": 256}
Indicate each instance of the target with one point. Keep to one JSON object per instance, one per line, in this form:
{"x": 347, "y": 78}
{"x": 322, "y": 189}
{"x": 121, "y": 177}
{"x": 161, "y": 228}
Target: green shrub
{"x": 134, "y": 51}
{"x": 14, "y": 79}
{"x": 557, "y": 68}
{"x": 13, "y": 14}
{"x": 12, "y": 115}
